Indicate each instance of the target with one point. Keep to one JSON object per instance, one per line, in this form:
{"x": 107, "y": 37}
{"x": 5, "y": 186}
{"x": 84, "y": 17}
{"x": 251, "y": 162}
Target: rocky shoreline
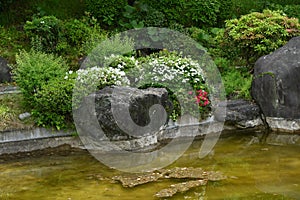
{"x": 241, "y": 116}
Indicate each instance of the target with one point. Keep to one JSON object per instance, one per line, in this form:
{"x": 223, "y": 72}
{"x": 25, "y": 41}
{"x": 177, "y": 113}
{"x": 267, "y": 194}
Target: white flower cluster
{"x": 123, "y": 61}
{"x": 91, "y": 79}
{"x": 68, "y": 74}
{"x": 97, "y": 76}
{"x": 174, "y": 69}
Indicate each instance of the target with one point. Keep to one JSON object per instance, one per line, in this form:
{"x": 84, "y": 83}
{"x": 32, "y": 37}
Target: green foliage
{"x": 289, "y": 10}
{"x": 141, "y": 15}
{"x": 107, "y": 12}
{"x": 201, "y": 12}
{"x": 237, "y": 81}
{"x": 17, "y": 12}
{"x": 205, "y": 37}
{"x": 188, "y": 13}
{"x": 76, "y": 32}
{"x": 67, "y": 38}
{"x": 243, "y": 7}
{"x": 292, "y": 10}
{"x": 53, "y": 103}
{"x": 112, "y": 46}
{"x": 257, "y": 34}
{"x": 131, "y": 18}
{"x": 62, "y": 9}
{"x": 4, "y": 110}
{"x": 11, "y": 40}
{"x": 45, "y": 33}
{"x": 35, "y": 69}
{"x": 40, "y": 77}
{"x": 181, "y": 76}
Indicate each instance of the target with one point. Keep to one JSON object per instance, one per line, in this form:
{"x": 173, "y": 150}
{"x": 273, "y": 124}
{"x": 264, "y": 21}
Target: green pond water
{"x": 254, "y": 170}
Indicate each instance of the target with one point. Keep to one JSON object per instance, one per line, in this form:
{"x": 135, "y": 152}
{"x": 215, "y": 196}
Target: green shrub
{"x": 289, "y": 10}
{"x": 66, "y": 38}
{"x": 257, "y": 34}
{"x": 108, "y": 12}
{"x": 53, "y": 103}
{"x": 45, "y": 33}
{"x": 76, "y": 34}
{"x": 95, "y": 38}
{"x": 77, "y": 31}
{"x": 46, "y": 90}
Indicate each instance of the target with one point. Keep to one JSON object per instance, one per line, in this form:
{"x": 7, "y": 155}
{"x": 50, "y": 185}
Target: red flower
{"x": 201, "y": 98}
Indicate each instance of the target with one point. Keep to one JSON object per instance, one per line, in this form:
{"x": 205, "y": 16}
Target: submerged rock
{"x": 198, "y": 177}
{"x": 133, "y": 180}
{"x": 180, "y": 187}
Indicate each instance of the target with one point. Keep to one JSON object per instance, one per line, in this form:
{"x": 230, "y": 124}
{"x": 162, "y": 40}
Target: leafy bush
{"x": 108, "y": 12}
{"x": 66, "y": 38}
{"x": 77, "y": 34}
{"x": 40, "y": 77}
{"x": 35, "y": 69}
{"x": 257, "y": 34}
{"x": 45, "y": 33}
{"x": 78, "y": 31}
{"x": 53, "y": 103}
{"x": 141, "y": 15}
{"x": 207, "y": 37}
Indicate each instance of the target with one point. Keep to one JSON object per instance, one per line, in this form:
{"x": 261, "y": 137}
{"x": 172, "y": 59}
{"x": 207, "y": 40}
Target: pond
{"x": 254, "y": 170}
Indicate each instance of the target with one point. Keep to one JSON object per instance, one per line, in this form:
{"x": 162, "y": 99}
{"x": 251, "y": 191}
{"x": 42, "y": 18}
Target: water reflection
{"x": 255, "y": 170}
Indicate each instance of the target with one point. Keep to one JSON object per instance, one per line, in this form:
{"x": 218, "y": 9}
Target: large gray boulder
{"x": 122, "y": 113}
{"x": 5, "y": 75}
{"x": 276, "y": 84}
